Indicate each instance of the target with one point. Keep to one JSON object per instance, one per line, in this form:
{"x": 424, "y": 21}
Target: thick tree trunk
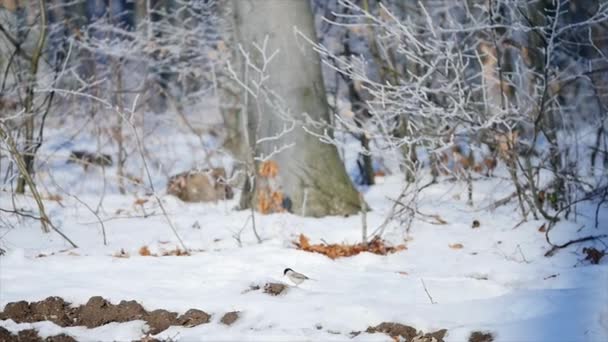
{"x": 230, "y": 93}
{"x": 311, "y": 173}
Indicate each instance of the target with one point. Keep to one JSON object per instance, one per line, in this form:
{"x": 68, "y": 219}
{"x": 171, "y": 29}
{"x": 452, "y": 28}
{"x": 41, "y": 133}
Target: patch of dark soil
{"x": 438, "y": 335}
{"x": 31, "y": 335}
{"x": 394, "y": 329}
{"x": 230, "y": 317}
{"x": 60, "y": 338}
{"x": 160, "y": 319}
{"x": 129, "y": 310}
{"x": 481, "y": 336}
{"x": 274, "y": 289}
{"x": 408, "y": 333}
{"x": 53, "y": 309}
{"x": 96, "y": 312}
{"x": 5, "y": 335}
{"x": 17, "y": 311}
{"x": 147, "y": 338}
{"x": 193, "y": 317}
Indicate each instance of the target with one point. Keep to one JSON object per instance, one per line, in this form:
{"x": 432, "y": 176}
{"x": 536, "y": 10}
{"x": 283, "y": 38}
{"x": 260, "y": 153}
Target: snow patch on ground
{"x": 499, "y": 281}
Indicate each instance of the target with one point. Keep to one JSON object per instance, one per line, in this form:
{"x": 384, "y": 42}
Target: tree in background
{"x": 287, "y": 107}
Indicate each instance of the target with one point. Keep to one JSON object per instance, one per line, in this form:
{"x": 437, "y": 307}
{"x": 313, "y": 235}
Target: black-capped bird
{"x": 295, "y": 277}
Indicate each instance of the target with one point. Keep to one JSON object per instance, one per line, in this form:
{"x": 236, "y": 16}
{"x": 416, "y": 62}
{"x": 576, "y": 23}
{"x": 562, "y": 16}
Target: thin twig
{"x": 427, "y": 291}
{"x": 555, "y": 248}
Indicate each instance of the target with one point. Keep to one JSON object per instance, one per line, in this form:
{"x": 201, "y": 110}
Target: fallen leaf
{"x": 456, "y": 246}
{"x": 144, "y": 251}
{"x": 140, "y": 201}
{"x": 333, "y": 251}
{"x": 542, "y": 228}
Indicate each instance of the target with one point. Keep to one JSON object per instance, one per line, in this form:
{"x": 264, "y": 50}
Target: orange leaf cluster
{"x": 269, "y": 169}
{"x": 270, "y": 201}
{"x": 333, "y": 251}
{"x": 145, "y": 251}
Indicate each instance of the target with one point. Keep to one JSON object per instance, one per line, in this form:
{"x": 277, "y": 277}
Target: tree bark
{"x": 309, "y": 171}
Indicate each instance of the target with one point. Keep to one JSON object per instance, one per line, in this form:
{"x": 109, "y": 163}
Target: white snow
{"x": 499, "y": 281}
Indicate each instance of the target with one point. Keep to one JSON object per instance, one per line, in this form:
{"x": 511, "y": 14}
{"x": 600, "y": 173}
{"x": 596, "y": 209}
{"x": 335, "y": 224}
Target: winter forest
{"x": 310, "y": 170}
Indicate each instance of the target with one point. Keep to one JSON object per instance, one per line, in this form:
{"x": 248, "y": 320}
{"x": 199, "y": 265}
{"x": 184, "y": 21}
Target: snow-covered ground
{"x": 500, "y": 280}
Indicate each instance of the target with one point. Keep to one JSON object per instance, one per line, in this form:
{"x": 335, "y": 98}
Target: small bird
{"x": 295, "y": 277}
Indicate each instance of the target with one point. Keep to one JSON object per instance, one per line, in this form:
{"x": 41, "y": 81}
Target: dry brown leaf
{"x": 140, "y": 201}
{"x": 144, "y": 251}
{"x": 269, "y": 169}
{"x": 304, "y": 244}
{"x": 456, "y": 246}
{"x": 270, "y": 201}
{"x": 403, "y": 273}
{"x": 333, "y": 251}
{"x": 542, "y": 228}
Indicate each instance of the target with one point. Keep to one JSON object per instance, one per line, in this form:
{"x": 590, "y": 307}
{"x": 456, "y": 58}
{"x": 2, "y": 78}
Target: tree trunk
{"x": 230, "y": 93}
{"x": 309, "y": 171}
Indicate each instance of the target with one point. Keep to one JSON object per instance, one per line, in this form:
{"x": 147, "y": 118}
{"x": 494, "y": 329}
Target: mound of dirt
{"x": 408, "y": 333}
{"x": 31, "y": 335}
{"x": 394, "y": 330}
{"x": 97, "y": 312}
{"x": 274, "y": 289}
{"x": 193, "y": 317}
{"x": 230, "y": 317}
{"x": 52, "y": 309}
{"x": 481, "y": 336}
{"x": 17, "y": 311}
{"x": 160, "y": 319}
